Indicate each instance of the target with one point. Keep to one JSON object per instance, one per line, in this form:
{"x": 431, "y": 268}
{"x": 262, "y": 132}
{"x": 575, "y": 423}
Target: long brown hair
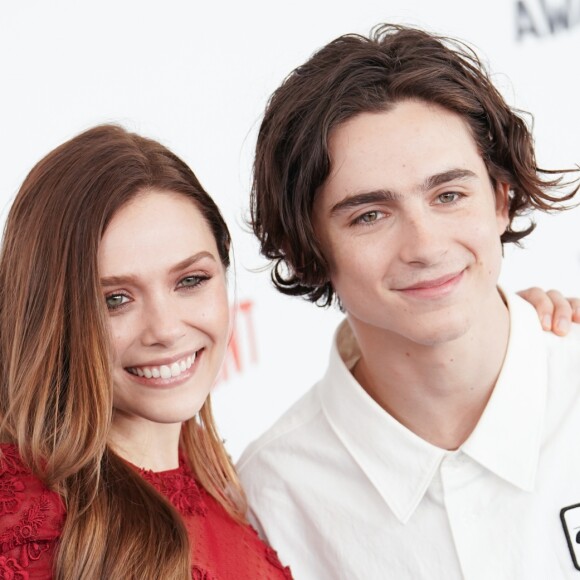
{"x": 55, "y": 377}
{"x": 355, "y": 74}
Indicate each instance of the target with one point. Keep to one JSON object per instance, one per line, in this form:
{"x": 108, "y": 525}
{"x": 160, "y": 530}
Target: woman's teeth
{"x": 164, "y": 371}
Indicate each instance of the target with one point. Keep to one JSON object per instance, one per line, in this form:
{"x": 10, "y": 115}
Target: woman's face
{"x": 165, "y": 289}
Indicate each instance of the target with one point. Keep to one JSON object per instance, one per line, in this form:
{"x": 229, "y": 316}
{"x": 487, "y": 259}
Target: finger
{"x": 562, "y": 317}
{"x": 543, "y": 304}
{"x": 575, "y": 304}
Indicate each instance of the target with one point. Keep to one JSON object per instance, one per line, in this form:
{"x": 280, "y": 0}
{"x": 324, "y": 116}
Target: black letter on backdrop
{"x": 524, "y": 21}
{"x": 557, "y": 17}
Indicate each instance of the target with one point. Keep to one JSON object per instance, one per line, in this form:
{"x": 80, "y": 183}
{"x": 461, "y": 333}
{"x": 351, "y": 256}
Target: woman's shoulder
{"x": 240, "y": 551}
{"x": 10, "y": 461}
{"x": 31, "y": 515}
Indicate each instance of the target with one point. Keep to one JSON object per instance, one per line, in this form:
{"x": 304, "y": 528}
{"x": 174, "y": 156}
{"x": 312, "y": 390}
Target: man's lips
{"x": 433, "y": 289}
{"x": 434, "y": 283}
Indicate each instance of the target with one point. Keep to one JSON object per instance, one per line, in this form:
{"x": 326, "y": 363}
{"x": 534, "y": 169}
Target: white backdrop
{"x": 196, "y": 76}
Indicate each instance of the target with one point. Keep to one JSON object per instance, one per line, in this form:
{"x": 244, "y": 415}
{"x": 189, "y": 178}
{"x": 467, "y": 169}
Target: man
{"x": 442, "y": 442}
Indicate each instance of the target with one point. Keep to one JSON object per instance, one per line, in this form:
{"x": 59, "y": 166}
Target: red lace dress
{"x": 31, "y": 519}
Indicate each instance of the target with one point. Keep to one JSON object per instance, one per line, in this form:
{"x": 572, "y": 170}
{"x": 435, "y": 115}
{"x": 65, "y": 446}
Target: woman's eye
{"x": 192, "y": 281}
{"x": 116, "y": 300}
{"x": 448, "y": 197}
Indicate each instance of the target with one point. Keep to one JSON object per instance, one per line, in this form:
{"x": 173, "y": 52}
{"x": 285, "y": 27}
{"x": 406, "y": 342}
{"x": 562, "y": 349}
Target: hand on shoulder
{"x": 556, "y": 312}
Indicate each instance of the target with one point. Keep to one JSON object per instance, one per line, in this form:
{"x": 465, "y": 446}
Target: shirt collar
{"x": 400, "y": 464}
{"x": 507, "y": 437}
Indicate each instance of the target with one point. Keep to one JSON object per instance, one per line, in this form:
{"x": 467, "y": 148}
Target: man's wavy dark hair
{"x": 355, "y": 74}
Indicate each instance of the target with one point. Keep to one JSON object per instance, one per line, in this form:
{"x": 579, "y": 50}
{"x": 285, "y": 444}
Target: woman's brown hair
{"x": 56, "y": 392}
{"x": 355, "y": 74}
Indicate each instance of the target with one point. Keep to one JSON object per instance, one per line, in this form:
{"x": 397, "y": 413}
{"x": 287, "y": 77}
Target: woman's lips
{"x": 168, "y": 375}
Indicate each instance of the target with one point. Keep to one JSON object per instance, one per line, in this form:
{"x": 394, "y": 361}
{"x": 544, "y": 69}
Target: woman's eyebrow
{"x": 132, "y": 278}
{"x": 192, "y": 260}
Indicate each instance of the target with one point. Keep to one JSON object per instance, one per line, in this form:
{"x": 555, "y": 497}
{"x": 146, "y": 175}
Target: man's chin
{"x": 444, "y": 333}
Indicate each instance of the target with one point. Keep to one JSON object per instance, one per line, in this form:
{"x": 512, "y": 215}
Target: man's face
{"x": 410, "y": 224}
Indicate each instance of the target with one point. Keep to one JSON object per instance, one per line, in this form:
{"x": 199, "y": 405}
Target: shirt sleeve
{"x": 31, "y": 519}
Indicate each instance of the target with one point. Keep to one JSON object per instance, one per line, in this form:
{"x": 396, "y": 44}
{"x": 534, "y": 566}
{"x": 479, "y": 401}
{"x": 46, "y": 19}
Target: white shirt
{"x": 344, "y": 491}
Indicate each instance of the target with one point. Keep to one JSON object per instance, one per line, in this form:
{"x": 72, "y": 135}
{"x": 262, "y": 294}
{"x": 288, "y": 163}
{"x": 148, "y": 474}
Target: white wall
{"x": 197, "y": 75}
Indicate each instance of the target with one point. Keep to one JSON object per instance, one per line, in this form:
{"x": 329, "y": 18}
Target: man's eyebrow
{"x": 386, "y": 195}
{"x": 131, "y": 278}
{"x": 352, "y": 201}
{"x": 447, "y": 176}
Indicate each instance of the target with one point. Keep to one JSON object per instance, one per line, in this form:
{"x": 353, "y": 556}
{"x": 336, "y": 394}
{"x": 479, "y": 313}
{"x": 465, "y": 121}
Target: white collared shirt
{"x": 344, "y": 491}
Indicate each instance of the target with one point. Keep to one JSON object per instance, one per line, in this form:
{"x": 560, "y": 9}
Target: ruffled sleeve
{"x": 31, "y": 520}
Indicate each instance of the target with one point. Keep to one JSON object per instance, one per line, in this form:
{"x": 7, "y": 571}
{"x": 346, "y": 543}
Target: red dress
{"x": 31, "y": 519}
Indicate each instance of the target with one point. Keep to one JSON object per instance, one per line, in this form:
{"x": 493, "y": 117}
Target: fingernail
{"x": 563, "y": 324}
{"x": 546, "y": 322}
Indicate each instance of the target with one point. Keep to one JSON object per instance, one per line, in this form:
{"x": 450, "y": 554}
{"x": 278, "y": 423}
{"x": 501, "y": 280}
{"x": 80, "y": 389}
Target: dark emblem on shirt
{"x": 570, "y": 517}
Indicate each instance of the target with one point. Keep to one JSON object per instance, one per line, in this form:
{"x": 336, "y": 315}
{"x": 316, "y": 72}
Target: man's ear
{"x": 502, "y": 206}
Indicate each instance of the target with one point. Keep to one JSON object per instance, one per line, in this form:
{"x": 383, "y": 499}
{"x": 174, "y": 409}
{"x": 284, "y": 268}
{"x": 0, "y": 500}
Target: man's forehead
{"x": 412, "y": 146}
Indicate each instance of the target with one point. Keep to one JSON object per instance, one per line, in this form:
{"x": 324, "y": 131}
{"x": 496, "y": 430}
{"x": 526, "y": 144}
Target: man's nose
{"x": 422, "y": 239}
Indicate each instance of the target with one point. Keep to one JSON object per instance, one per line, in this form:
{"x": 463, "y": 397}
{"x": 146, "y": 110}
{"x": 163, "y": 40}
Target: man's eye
{"x": 368, "y": 217}
{"x": 448, "y": 197}
{"x": 116, "y": 300}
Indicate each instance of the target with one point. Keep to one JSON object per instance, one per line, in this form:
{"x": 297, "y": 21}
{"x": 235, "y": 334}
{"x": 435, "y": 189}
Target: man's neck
{"x": 439, "y": 392}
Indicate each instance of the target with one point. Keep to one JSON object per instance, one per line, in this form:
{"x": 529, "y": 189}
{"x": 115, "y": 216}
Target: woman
{"x": 114, "y": 324}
